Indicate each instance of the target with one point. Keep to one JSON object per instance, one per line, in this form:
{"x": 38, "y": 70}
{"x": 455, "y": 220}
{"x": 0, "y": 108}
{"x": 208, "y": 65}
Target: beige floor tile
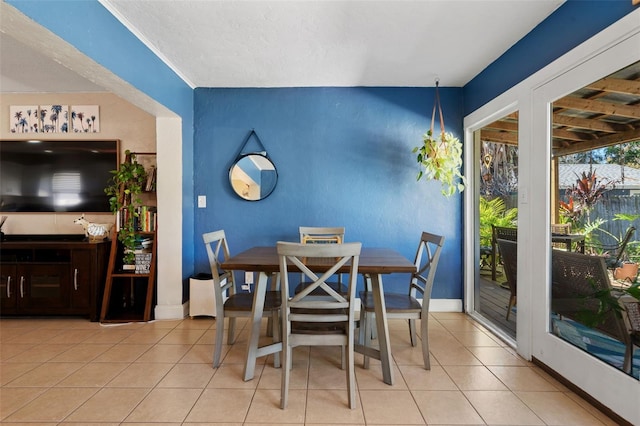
{"x": 390, "y": 408}
{"x": 455, "y": 355}
{"x": 459, "y": 324}
{"x": 83, "y": 352}
{"x": 195, "y": 376}
{"x": 474, "y": 377}
{"x": 123, "y": 353}
{"x": 231, "y": 376}
{"x": 331, "y": 407}
{"x": 371, "y": 378}
{"x": 140, "y": 375}
{"x": 271, "y": 377}
{"x": 184, "y": 336}
{"x": 327, "y": 374}
{"x": 221, "y": 405}
{"x": 164, "y": 353}
{"x": 74, "y": 336}
{"x": 409, "y": 355}
{"x": 201, "y": 322}
{"x": 12, "y": 399}
{"x": 558, "y": 409}
{"x": 43, "y": 353}
{"x": 522, "y": 379}
{"x": 9, "y": 371}
{"x": 502, "y": 408}
{"x": 148, "y": 336}
{"x": 165, "y": 405}
{"x": 265, "y": 407}
{"x": 38, "y": 336}
{"x": 207, "y": 338}
{"x": 8, "y": 351}
{"x": 199, "y": 354}
{"x": 591, "y": 409}
{"x": 46, "y": 375}
{"x": 108, "y": 405}
{"x": 93, "y": 375}
{"x": 496, "y": 356}
{"x": 476, "y": 338}
{"x": 446, "y": 407}
{"x": 52, "y": 406}
{"x": 417, "y": 378}
{"x": 110, "y": 335}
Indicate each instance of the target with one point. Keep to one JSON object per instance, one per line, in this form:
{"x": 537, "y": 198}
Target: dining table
{"x": 568, "y": 240}
{"x": 373, "y": 262}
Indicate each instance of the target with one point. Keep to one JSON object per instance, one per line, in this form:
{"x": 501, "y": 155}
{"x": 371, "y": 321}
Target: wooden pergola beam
{"x": 599, "y": 107}
{"x": 615, "y": 139}
{"x": 616, "y": 85}
{"x": 589, "y": 124}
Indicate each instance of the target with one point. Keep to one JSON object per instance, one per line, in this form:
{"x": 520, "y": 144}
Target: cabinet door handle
{"x": 9, "y": 287}
{"x": 75, "y": 279}
{"x": 22, "y": 287}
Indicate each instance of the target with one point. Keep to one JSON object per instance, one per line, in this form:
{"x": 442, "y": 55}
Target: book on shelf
{"x": 145, "y": 218}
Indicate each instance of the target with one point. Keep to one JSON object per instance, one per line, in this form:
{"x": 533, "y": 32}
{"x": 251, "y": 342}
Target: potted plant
{"x": 124, "y": 189}
{"x": 441, "y": 159}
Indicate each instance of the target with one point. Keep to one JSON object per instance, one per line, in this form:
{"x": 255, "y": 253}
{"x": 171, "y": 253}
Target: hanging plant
{"x": 440, "y": 158}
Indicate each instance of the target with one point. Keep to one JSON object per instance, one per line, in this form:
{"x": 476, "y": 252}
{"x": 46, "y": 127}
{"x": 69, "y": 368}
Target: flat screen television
{"x": 56, "y": 176}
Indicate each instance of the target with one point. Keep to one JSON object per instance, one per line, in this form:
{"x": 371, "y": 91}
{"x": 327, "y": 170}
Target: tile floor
{"x": 71, "y": 371}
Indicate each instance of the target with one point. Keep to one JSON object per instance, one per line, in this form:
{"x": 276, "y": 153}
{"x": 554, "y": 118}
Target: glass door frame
{"x": 608, "y": 51}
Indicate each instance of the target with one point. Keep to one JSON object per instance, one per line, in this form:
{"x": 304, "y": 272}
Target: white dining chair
{"x": 318, "y": 315}
{"x": 231, "y": 304}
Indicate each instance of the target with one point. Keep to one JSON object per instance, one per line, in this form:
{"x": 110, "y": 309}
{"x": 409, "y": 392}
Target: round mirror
{"x": 253, "y": 177}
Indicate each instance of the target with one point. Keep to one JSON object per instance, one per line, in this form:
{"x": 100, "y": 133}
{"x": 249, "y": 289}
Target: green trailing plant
{"x": 124, "y": 189}
{"x": 441, "y": 159}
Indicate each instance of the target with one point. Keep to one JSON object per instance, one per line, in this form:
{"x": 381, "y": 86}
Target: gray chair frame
{"x": 318, "y": 315}
{"x": 231, "y": 304}
{"x": 407, "y": 306}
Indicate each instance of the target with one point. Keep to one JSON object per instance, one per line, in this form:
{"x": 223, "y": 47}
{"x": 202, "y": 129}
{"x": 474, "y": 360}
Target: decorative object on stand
{"x": 94, "y": 231}
{"x": 124, "y": 189}
{"x": 440, "y": 157}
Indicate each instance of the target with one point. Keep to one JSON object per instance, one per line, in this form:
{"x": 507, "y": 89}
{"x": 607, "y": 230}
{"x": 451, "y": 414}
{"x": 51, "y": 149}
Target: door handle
{"x": 22, "y": 287}
{"x": 75, "y": 279}
{"x": 9, "y": 287}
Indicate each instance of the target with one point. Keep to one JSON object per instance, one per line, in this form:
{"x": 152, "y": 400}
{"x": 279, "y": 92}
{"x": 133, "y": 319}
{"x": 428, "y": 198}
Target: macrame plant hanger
{"x": 436, "y": 104}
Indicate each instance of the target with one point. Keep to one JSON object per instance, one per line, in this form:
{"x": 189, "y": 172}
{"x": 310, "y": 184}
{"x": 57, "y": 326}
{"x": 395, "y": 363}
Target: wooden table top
{"x": 372, "y": 261}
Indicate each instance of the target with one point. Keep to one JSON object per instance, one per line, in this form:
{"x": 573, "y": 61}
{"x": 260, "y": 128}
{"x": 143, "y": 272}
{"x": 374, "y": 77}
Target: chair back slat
{"x": 426, "y": 261}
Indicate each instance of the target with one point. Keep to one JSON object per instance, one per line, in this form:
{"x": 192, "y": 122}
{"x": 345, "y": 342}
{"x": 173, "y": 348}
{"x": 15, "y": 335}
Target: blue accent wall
{"x": 94, "y": 31}
{"x": 571, "y": 24}
{"x": 343, "y": 157}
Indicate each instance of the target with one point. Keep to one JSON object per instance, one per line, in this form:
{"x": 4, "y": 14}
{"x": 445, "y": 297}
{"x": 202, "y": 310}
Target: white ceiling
{"x": 302, "y": 43}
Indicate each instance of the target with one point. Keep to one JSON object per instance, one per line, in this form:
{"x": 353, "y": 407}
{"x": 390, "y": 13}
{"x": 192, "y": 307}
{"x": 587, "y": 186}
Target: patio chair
{"x": 576, "y": 278}
{"x": 509, "y": 253}
{"x": 613, "y": 253}
{"x": 318, "y": 315}
{"x": 503, "y": 233}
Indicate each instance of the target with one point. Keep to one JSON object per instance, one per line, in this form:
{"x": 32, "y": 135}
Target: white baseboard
{"x": 166, "y": 312}
{"x": 445, "y": 305}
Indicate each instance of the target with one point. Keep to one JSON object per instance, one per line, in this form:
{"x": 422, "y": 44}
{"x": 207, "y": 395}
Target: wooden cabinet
{"x": 49, "y": 277}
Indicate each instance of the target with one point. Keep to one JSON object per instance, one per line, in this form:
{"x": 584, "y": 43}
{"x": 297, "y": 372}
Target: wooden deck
{"x": 494, "y": 300}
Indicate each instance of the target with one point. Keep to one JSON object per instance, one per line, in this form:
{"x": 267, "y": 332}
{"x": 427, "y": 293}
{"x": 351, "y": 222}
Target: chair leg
{"x": 275, "y": 331}
{"x": 424, "y": 335}
{"x": 286, "y": 372}
{"x": 367, "y": 337}
{"x": 217, "y": 350}
{"x": 351, "y": 374}
{"x": 512, "y": 303}
{"x": 232, "y": 331}
{"x": 412, "y": 331}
